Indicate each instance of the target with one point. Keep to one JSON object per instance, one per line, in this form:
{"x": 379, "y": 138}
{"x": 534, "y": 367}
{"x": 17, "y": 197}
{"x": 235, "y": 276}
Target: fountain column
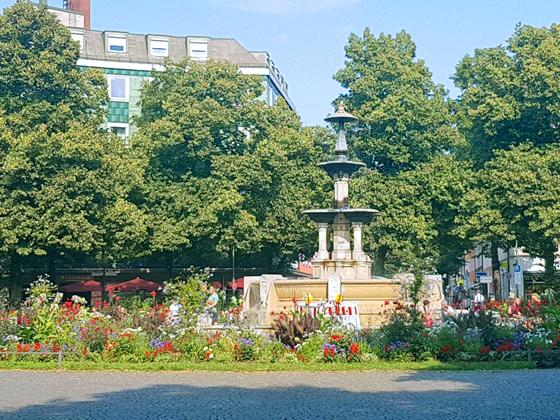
{"x": 323, "y": 253}
{"x": 358, "y": 253}
{"x": 341, "y": 190}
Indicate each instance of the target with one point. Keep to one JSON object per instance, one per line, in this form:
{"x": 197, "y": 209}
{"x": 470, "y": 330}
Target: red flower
{"x": 354, "y": 348}
{"x": 504, "y": 347}
{"x": 55, "y": 348}
{"x": 386, "y": 302}
{"x": 117, "y": 298}
{"x": 328, "y": 352}
{"x": 148, "y": 354}
{"x": 153, "y": 293}
{"x": 23, "y": 348}
{"x": 485, "y": 350}
{"x": 37, "y": 347}
{"x": 446, "y": 348}
{"x": 336, "y": 338}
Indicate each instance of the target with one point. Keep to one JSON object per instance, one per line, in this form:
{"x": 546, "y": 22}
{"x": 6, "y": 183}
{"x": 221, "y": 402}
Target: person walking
{"x": 211, "y": 304}
{"x": 478, "y": 300}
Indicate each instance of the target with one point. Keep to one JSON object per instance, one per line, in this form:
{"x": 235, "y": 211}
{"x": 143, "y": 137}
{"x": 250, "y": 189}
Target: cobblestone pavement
{"x": 291, "y": 395}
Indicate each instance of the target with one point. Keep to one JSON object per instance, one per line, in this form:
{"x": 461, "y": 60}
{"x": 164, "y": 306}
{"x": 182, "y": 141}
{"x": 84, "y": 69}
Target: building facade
{"x": 129, "y": 60}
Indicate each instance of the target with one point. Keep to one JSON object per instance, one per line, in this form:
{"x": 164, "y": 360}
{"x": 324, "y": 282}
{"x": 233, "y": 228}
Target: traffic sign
{"x": 517, "y": 268}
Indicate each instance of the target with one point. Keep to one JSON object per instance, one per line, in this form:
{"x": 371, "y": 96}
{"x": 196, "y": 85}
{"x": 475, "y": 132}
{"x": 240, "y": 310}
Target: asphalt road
{"x": 213, "y": 395}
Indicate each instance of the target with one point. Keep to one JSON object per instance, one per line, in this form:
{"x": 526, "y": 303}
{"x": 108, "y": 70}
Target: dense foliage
{"x": 212, "y": 170}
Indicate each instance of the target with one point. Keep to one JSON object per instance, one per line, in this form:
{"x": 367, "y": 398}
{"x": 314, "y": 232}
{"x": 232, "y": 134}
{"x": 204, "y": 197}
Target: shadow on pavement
{"x": 181, "y": 401}
{"x": 415, "y": 395}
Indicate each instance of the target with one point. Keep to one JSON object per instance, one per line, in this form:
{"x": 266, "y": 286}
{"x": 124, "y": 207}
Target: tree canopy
{"x": 40, "y": 81}
{"x": 220, "y": 160}
{"x": 404, "y": 118}
{"x": 65, "y": 184}
{"x": 511, "y": 94}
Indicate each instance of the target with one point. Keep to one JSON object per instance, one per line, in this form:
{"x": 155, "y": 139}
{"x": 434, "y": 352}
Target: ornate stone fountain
{"x": 346, "y": 257}
{"x": 340, "y": 265}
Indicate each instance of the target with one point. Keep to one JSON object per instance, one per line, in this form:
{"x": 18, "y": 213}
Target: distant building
{"x": 128, "y": 60}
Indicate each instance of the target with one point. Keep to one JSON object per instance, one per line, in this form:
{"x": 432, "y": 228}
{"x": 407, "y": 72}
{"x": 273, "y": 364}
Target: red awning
{"x": 83, "y": 286}
{"x": 239, "y": 283}
{"x": 133, "y": 286}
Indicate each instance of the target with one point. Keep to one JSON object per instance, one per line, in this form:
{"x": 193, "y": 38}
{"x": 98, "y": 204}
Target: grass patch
{"x": 263, "y": 367}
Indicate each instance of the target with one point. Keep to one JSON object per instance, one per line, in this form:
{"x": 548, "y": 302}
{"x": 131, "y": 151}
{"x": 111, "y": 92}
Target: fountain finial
{"x": 341, "y": 116}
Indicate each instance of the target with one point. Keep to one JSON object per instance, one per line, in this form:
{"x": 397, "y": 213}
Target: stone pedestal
{"x": 341, "y": 239}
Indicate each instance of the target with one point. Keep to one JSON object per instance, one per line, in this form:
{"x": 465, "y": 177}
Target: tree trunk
{"x": 14, "y": 280}
{"x": 51, "y": 267}
{"x": 379, "y": 262}
{"x": 495, "y": 267}
{"x": 170, "y": 264}
{"x": 103, "y": 283}
{"x": 550, "y": 269}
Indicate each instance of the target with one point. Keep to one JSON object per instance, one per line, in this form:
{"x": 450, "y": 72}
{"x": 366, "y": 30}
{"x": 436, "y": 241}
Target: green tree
{"x": 66, "y": 196}
{"x": 65, "y": 185}
{"x": 404, "y": 118}
{"x": 279, "y": 180}
{"x": 511, "y": 94}
{"x": 226, "y": 172}
{"x": 40, "y": 82}
{"x": 418, "y": 210}
{"x": 517, "y": 199}
{"x": 407, "y": 136}
{"x": 509, "y": 97}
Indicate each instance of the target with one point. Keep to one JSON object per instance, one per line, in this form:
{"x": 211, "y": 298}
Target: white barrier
{"x": 346, "y": 312}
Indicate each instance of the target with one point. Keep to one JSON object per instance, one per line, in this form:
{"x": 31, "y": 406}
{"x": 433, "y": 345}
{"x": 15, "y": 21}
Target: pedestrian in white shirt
{"x": 478, "y": 299}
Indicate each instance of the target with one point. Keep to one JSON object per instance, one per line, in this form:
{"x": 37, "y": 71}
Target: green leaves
{"x": 40, "y": 82}
{"x": 510, "y": 94}
{"x": 225, "y": 172}
{"x": 406, "y": 133}
{"x": 404, "y": 118}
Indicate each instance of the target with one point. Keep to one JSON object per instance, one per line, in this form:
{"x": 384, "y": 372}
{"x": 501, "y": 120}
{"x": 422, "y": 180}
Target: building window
{"x": 119, "y": 129}
{"x": 159, "y": 47}
{"x": 116, "y": 44}
{"x": 198, "y": 50}
{"x": 79, "y": 37}
{"x": 118, "y": 88}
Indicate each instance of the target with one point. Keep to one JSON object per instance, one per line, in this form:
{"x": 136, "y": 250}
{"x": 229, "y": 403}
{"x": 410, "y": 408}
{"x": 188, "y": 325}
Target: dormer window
{"x": 198, "y": 49}
{"x": 159, "y": 47}
{"x": 116, "y": 44}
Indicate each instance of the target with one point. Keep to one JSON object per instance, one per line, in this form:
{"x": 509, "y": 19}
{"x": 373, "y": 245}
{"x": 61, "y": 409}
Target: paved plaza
{"x": 291, "y": 395}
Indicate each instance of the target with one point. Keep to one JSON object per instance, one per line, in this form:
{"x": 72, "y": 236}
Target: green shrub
{"x": 403, "y": 336}
{"x": 311, "y": 350}
{"x": 445, "y": 343}
{"x": 272, "y": 352}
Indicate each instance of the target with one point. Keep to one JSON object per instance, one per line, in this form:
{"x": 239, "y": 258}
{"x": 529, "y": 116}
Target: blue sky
{"x": 306, "y": 38}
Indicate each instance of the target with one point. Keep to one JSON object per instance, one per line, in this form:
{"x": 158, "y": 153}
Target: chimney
{"x": 80, "y": 6}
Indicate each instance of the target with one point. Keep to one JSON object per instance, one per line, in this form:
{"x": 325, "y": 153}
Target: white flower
{"x": 79, "y": 300}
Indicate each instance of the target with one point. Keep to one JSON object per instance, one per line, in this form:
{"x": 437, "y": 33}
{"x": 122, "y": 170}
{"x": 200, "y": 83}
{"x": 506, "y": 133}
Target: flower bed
{"x": 143, "y": 331}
